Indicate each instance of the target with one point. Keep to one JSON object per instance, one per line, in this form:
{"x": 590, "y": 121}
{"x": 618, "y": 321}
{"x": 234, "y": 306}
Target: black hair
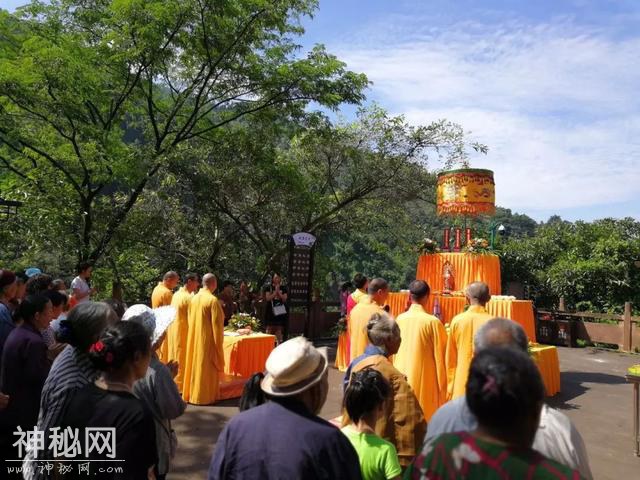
{"x": 85, "y": 324}
{"x": 82, "y": 266}
{"x": 504, "y": 389}
{"x": 367, "y": 390}
{"x": 252, "y": 394}
{"x": 226, "y": 283}
{"x": 38, "y": 284}
{"x": 359, "y": 280}
{"x": 118, "y": 345}
{"x": 346, "y": 286}
{"x": 28, "y": 308}
{"x": 21, "y": 276}
{"x": 191, "y": 276}
{"x": 418, "y": 289}
{"x": 117, "y": 306}
{"x": 56, "y": 297}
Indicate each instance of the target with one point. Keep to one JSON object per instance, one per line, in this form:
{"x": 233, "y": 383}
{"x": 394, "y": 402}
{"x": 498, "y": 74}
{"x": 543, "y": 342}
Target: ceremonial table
{"x": 520, "y": 311}
{"x": 244, "y": 355}
{"x": 546, "y": 357}
{"x": 467, "y": 269}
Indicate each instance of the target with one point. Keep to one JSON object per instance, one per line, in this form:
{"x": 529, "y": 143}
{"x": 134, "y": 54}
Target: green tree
{"x": 97, "y": 97}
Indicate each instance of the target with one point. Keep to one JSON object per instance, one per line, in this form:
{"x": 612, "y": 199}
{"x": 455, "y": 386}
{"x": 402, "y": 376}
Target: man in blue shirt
{"x": 284, "y": 438}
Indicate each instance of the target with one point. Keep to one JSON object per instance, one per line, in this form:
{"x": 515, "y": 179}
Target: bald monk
{"x": 179, "y": 330}
{"x": 162, "y": 296}
{"x": 205, "y": 357}
{"x": 378, "y": 291}
{"x": 422, "y": 351}
{"x": 460, "y": 342}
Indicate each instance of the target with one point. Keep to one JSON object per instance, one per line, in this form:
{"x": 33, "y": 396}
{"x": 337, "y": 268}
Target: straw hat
{"x": 293, "y": 367}
{"x": 155, "y": 321}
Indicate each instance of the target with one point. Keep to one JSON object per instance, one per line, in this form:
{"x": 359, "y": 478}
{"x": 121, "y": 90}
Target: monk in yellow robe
{"x": 378, "y": 291}
{"x": 179, "y": 330}
{"x": 421, "y": 354}
{"x": 162, "y": 296}
{"x": 205, "y": 356}
{"x": 461, "y": 333}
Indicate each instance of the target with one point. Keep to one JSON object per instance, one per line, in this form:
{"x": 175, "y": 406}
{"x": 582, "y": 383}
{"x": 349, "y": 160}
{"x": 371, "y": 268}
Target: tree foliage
{"x": 592, "y": 265}
{"x": 97, "y": 97}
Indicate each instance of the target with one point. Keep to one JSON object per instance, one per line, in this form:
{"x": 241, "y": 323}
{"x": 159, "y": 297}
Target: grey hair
{"x": 381, "y": 328}
{"x": 500, "y": 332}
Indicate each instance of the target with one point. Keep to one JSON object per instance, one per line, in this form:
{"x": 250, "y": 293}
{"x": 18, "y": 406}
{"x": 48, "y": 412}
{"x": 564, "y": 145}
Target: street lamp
{"x": 493, "y": 227}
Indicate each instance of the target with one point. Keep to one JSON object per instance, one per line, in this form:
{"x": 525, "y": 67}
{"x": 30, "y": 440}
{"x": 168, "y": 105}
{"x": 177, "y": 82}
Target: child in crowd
{"x": 364, "y": 400}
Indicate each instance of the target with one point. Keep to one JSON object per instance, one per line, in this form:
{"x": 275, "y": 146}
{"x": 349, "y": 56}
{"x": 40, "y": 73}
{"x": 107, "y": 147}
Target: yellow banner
{"x": 466, "y": 192}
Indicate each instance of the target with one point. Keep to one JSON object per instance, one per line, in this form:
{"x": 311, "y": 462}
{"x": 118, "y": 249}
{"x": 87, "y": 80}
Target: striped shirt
{"x": 70, "y": 371}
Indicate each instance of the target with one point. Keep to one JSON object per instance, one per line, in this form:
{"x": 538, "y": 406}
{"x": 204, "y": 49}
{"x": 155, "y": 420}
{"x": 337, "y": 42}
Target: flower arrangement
{"x": 243, "y": 321}
{"x": 477, "y": 246}
{"x": 340, "y": 327}
{"x": 427, "y": 246}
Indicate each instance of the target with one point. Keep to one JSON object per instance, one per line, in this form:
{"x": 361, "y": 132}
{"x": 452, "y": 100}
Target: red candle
{"x": 456, "y": 248}
{"x": 468, "y": 236}
{"x": 447, "y": 237}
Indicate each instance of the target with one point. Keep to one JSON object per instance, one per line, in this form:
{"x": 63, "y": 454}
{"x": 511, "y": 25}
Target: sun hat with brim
{"x": 155, "y": 321}
{"x": 293, "y": 367}
{"x": 32, "y": 272}
{"x": 7, "y": 277}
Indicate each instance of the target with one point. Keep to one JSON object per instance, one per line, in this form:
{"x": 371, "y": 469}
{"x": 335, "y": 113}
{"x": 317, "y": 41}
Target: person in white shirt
{"x": 556, "y": 438}
{"x": 80, "y": 285}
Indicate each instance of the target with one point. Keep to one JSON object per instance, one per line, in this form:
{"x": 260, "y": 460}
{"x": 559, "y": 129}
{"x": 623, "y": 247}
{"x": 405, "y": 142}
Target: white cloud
{"x": 556, "y": 103}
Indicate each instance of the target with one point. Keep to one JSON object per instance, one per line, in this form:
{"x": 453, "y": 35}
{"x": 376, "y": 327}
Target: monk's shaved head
{"x": 170, "y": 275}
{"x": 376, "y": 285}
{"x": 210, "y": 281}
{"x": 478, "y": 293}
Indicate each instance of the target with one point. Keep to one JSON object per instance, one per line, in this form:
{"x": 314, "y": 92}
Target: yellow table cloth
{"x": 466, "y": 269}
{"x": 546, "y": 357}
{"x": 245, "y": 355}
{"x": 520, "y": 311}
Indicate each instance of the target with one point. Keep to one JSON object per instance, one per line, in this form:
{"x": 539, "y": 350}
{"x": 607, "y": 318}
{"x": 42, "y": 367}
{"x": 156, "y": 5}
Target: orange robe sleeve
{"x": 217, "y": 326}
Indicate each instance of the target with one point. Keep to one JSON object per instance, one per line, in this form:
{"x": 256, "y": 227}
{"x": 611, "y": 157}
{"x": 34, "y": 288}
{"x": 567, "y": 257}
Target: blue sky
{"x": 550, "y": 86}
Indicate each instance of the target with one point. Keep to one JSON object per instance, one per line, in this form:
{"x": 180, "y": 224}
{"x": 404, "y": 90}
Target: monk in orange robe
{"x": 378, "y": 291}
{"x": 205, "y": 356}
{"x": 162, "y": 296}
{"x": 462, "y": 330}
{"x": 422, "y": 351}
{"x": 178, "y": 331}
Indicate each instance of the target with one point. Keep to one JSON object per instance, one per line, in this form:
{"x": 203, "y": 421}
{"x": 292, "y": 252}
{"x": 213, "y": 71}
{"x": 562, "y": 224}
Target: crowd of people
{"x": 418, "y": 400}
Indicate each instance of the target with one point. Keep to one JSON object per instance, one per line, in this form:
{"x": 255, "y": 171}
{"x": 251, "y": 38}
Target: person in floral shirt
{"x": 505, "y": 393}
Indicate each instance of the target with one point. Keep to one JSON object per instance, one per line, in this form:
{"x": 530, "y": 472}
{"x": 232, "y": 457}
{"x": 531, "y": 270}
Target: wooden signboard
{"x": 301, "y": 269}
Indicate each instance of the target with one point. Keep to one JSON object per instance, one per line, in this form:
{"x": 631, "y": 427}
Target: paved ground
{"x": 594, "y": 395}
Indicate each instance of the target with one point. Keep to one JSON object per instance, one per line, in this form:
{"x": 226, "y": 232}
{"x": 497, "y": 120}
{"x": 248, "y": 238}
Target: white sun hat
{"x": 293, "y": 367}
{"x": 155, "y": 321}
